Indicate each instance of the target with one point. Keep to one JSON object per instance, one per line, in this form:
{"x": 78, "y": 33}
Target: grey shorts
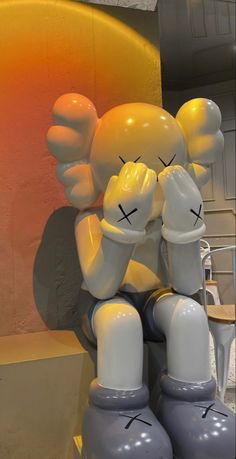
{"x": 143, "y": 303}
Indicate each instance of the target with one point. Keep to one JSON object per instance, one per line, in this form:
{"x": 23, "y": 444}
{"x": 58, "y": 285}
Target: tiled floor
{"x": 230, "y": 396}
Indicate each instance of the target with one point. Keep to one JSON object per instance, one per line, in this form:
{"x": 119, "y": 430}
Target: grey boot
{"x": 199, "y": 425}
{"x": 119, "y": 424}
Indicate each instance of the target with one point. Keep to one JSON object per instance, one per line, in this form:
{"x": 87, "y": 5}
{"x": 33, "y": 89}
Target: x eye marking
{"x": 167, "y": 164}
{"x": 126, "y": 215}
{"x": 124, "y": 162}
{"x": 197, "y": 214}
{"x": 135, "y": 418}
{"x": 135, "y": 161}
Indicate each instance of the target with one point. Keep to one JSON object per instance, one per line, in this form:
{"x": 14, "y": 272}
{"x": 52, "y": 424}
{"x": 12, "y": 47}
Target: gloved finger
{"x": 149, "y": 182}
{"x": 137, "y": 177}
{"x": 170, "y": 186}
{"x": 186, "y": 184}
{"x": 125, "y": 172}
{"x": 111, "y": 185}
{"x": 185, "y": 181}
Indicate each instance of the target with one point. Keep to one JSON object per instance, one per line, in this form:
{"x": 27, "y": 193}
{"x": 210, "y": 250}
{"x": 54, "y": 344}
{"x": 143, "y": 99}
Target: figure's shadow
{"x": 57, "y": 275}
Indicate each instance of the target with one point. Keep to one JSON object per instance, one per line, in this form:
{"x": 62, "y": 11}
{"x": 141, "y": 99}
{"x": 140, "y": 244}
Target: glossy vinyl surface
{"x": 49, "y": 49}
{"x": 113, "y": 432}
{"x": 138, "y": 133}
{"x": 199, "y": 425}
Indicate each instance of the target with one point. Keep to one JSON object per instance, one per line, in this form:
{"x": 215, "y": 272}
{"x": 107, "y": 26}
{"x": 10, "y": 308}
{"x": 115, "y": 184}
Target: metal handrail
{"x": 209, "y": 254}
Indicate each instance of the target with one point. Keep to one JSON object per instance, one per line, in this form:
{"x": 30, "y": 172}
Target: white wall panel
{"x": 229, "y": 164}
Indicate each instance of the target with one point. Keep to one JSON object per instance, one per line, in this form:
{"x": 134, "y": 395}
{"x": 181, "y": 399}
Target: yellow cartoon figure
{"x": 135, "y": 174}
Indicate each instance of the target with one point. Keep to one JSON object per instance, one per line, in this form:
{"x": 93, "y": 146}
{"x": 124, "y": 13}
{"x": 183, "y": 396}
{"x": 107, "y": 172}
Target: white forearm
{"x": 185, "y": 269}
{"x": 107, "y": 269}
{"x": 103, "y": 261}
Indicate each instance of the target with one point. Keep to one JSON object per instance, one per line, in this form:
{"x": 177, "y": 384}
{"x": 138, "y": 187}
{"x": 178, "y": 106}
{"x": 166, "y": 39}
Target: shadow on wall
{"x": 57, "y": 276}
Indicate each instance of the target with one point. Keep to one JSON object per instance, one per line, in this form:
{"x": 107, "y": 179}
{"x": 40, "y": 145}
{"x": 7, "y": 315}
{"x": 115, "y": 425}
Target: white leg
{"x": 118, "y": 329}
{"x": 185, "y": 326}
{"x": 223, "y": 335}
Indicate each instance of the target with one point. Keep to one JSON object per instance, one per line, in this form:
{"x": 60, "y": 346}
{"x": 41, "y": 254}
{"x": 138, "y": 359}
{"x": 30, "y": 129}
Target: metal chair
{"x": 222, "y": 326}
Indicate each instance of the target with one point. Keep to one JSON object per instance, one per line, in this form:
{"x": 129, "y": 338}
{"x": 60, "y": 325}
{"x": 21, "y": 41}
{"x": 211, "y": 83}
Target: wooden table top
{"x": 224, "y": 313}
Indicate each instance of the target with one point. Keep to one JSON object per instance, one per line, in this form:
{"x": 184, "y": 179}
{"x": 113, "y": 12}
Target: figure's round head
{"x": 135, "y": 132}
{"x": 91, "y": 150}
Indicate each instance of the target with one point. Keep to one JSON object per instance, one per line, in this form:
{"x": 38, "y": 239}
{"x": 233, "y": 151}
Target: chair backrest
{"x": 231, "y": 248}
{"x": 204, "y": 249}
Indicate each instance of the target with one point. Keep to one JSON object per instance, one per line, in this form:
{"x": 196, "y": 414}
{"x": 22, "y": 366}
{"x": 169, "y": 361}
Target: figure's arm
{"x": 105, "y": 240}
{"x": 200, "y": 121}
{"x": 103, "y": 261}
{"x": 185, "y": 269}
{"x": 183, "y": 227}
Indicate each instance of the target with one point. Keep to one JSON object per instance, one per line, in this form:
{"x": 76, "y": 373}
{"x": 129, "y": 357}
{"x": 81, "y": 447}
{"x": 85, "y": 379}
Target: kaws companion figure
{"x": 134, "y": 175}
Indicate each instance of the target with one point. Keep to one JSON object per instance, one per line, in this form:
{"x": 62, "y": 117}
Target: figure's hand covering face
{"x": 182, "y": 213}
{"x": 91, "y": 150}
{"x": 127, "y": 204}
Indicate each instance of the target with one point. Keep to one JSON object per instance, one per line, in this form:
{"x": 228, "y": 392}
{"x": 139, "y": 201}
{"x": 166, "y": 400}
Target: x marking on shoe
{"x": 126, "y": 215}
{"x": 134, "y": 418}
{"x": 197, "y": 213}
{"x": 209, "y": 408}
{"x": 169, "y": 163}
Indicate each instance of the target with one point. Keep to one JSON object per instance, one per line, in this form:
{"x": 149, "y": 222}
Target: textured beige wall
{"x": 50, "y": 48}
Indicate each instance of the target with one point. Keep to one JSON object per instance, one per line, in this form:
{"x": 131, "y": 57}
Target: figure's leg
{"x": 118, "y": 420}
{"x": 118, "y": 329}
{"x": 199, "y": 425}
{"x": 185, "y": 326}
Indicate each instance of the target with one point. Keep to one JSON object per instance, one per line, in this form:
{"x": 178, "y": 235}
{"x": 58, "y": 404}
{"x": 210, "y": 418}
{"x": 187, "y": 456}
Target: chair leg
{"x": 223, "y": 335}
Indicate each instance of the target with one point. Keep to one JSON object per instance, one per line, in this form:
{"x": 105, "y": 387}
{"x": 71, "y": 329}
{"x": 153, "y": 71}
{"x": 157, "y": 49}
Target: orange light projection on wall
{"x": 49, "y": 48}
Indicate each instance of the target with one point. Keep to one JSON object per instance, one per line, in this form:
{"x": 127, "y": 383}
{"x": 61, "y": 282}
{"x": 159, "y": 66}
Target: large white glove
{"x": 128, "y": 203}
{"x": 182, "y": 212}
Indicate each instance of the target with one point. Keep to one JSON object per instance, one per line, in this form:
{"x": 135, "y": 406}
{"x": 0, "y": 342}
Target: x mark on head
{"x": 126, "y": 216}
{"x": 197, "y": 213}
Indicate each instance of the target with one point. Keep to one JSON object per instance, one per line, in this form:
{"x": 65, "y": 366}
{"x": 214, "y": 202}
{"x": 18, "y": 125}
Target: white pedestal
{"x": 44, "y": 380}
